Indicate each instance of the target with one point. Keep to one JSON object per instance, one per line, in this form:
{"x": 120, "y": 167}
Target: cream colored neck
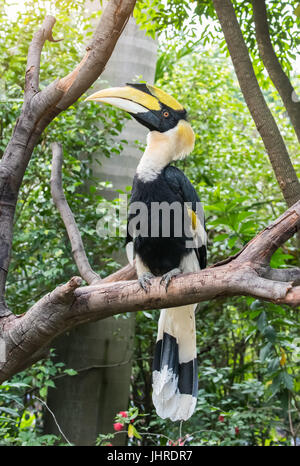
{"x": 155, "y": 158}
{"x": 163, "y": 148}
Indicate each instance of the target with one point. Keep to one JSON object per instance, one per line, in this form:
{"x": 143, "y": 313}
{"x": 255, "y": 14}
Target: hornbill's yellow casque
{"x": 175, "y": 377}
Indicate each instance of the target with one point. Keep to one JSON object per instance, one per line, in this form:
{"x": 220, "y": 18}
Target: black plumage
{"x": 162, "y": 254}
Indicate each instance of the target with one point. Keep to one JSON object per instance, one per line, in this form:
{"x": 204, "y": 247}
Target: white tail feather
{"x": 130, "y": 252}
{"x": 179, "y": 325}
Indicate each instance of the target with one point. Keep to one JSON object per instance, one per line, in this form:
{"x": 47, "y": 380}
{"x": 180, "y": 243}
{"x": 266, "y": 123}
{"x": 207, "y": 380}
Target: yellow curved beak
{"x": 127, "y": 98}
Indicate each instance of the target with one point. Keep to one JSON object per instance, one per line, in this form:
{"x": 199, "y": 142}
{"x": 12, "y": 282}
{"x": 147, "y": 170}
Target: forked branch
{"x": 78, "y": 251}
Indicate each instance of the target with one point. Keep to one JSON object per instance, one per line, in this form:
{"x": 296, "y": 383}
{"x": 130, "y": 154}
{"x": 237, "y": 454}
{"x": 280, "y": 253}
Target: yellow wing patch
{"x": 193, "y": 218}
{"x": 165, "y": 98}
{"x": 197, "y": 229}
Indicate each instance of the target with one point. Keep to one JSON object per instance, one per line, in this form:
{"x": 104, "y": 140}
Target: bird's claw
{"x": 145, "y": 281}
{"x": 167, "y": 277}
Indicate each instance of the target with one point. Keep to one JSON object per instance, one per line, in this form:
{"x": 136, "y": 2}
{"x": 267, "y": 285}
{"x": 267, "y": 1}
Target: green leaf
{"x": 273, "y": 365}
{"x": 270, "y": 333}
{"x": 265, "y": 351}
{"x": 50, "y": 383}
{"x": 284, "y": 400}
{"x": 255, "y": 305}
{"x": 10, "y": 411}
{"x": 287, "y": 380}
{"x": 70, "y": 372}
{"x": 275, "y": 386}
{"x": 232, "y": 241}
{"x": 297, "y": 11}
{"x": 262, "y": 321}
{"x": 43, "y": 392}
{"x": 135, "y": 432}
{"x": 130, "y": 431}
{"x": 134, "y": 412}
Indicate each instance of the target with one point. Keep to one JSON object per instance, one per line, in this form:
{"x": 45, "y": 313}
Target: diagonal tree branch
{"x": 285, "y": 275}
{"x": 81, "y": 260}
{"x": 247, "y": 273}
{"x": 32, "y": 75}
{"x": 261, "y": 114}
{"x": 273, "y": 66}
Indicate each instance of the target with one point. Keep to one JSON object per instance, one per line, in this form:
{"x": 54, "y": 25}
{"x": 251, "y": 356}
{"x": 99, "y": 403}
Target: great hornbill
{"x": 158, "y": 183}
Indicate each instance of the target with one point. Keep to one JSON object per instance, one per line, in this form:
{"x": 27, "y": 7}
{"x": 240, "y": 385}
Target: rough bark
{"x": 261, "y": 114}
{"x": 40, "y": 107}
{"x": 247, "y": 274}
{"x": 279, "y": 78}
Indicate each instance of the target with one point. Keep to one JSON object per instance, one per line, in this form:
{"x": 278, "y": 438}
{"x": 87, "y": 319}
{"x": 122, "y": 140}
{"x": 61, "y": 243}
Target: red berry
{"x": 123, "y": 413}
{"x": 118, "y": 426}
{"x": 237, "y": 430}
{"x": 221, "y": 418}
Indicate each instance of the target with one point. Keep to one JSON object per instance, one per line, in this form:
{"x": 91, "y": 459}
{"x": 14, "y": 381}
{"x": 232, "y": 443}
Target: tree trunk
{"x": 85, "y": 405}
{"x": 261, "y": 114}
{"x": 269, "y": 58}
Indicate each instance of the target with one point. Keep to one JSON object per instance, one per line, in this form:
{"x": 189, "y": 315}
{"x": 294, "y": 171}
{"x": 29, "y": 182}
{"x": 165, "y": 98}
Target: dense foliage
{"x": 248, "y": 351}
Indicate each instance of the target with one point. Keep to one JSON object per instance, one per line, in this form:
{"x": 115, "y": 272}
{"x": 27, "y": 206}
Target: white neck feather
{"x": 163, "y": 148}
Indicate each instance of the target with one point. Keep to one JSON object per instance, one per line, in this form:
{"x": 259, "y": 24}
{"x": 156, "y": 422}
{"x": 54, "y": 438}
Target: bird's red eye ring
{"x": 166, "y": 114}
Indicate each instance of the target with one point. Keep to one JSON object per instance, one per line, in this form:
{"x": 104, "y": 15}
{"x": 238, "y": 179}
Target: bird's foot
{"x": 167, "y": 277}
{"x": 145, "y": 281}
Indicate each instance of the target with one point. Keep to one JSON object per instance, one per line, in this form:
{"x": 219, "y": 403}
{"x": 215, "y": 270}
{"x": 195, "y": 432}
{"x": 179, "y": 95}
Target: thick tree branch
{"x": 32, "y": 75}
{"x": 283, "y": 275}
{"x": 247, "y": 273}
{"x": 81, "y": 260}
{"x": 261, "y": 114}
{"x": 40, "y": 107}
{"x": 278, "y": 76}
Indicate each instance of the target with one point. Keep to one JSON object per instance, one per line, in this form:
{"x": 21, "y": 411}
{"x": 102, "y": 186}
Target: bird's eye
{"x": 166, "y": 114}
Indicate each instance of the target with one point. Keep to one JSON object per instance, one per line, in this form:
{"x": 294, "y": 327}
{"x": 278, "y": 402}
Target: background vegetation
{"x": 248, "y": 350}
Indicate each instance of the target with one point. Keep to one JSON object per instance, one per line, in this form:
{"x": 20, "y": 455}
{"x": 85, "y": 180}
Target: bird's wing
{"x": 129, "y": 245}
{"x": 182, "y": 186}
{"x": 129, "y": 238}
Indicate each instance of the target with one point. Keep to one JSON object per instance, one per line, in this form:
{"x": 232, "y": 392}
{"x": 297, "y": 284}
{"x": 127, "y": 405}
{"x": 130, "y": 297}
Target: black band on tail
{"x": 188, "y": 378}
{"x": 166, "y": 354}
